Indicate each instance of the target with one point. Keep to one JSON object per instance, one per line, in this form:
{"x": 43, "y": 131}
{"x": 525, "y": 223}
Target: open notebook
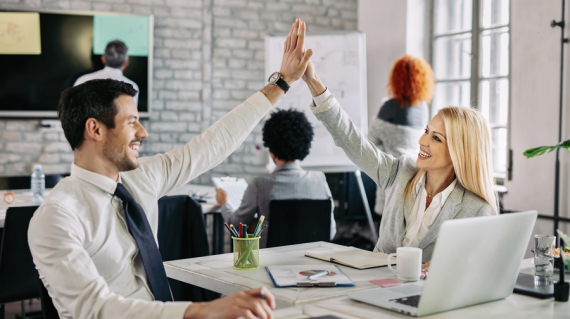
{"x": 352, "y": 257}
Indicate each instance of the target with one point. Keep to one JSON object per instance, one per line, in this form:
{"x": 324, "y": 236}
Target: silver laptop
{"x": 475, "y": 260}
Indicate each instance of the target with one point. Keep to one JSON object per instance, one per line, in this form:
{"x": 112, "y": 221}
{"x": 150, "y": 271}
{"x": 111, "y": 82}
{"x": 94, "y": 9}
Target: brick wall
{"x": 208, "y": 58}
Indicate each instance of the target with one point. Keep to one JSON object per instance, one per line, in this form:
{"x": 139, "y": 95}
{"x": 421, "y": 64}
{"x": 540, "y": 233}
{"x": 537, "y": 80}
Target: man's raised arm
{"x": 177, "y": 167}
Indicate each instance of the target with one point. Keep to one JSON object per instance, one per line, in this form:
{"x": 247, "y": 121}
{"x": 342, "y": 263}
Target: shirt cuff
{"x": 175, "y": 309}
{"x": 318, "y": 100}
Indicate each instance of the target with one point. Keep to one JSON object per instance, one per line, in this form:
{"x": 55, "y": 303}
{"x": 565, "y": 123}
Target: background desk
{"x": 216, "y": 273}
{"x": 209, "y": 208}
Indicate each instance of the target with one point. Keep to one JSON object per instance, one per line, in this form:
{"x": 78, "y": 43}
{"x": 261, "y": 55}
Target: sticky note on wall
{"x": 20, "y": 33}
{"x": 132, "y": 30}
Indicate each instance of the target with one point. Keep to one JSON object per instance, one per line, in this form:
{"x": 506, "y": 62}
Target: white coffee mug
{"x": 409, "y": 262}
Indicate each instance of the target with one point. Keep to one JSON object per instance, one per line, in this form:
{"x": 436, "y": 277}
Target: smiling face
{"x": 434, "y": 152}
{"x": 122, "y": 142}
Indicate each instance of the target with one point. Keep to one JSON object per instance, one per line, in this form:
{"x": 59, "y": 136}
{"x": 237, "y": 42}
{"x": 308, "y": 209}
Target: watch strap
{"x": 282, "y": 84}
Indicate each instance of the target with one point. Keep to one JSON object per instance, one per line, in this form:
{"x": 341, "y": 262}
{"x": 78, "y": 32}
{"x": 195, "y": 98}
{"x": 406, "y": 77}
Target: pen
{"x": 261, "y": 230}
{"x": 240, "y": 234}
{"x": 234, "y": 231}
{"x": 244, "y": 231}
{"x": 259, "y": 223}
{"x": 322, "y": 273}
{"x": 231, "y": 231}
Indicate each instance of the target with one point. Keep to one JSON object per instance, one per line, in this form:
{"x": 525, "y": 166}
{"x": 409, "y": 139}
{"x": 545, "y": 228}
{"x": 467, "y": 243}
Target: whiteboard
{"x": 340, "y": 62}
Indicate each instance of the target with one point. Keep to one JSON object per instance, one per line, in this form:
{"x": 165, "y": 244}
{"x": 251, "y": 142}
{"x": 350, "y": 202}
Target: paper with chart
{"x": 132, "y": 30}
{"x": 340, "y": 62}
{"x": 20, "y": 33}
{"x": 291, "y": 275}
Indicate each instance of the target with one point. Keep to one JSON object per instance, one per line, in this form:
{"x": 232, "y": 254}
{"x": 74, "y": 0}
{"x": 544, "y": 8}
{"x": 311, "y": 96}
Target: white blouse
{"x": 421, "y": 219}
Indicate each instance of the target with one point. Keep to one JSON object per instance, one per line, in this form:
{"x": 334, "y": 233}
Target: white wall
{"x": 535, "y": 80}
{"x": 384, "y": 22}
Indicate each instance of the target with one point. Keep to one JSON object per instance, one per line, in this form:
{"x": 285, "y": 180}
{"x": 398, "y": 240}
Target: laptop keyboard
{"x": 412, "y": 301}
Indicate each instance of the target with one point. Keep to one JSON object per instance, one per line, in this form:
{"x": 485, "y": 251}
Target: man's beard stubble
{"x": 115, "y": 155}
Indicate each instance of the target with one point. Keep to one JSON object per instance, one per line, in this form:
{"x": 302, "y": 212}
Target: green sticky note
{"x": 132, "y": 30}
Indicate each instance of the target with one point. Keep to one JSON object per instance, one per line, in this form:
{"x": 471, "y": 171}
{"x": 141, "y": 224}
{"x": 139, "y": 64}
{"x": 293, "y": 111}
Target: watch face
{"x": 274, "y": 77}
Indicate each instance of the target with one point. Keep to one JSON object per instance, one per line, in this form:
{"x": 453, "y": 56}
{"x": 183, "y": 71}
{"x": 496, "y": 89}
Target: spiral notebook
{"x": 300, "y": 276}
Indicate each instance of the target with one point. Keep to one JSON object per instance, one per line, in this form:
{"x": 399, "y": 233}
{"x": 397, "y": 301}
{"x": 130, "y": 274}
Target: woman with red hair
{"x": 402, "y": 118}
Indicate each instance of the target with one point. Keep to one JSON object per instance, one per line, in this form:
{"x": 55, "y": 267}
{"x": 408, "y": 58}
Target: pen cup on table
{"x": 246, "y": 253}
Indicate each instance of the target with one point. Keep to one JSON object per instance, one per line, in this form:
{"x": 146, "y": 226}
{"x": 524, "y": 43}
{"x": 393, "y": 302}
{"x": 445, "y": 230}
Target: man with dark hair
{"x": 116, "y": 60}
{"x": 288, "y": 135}
{"x": 94, "y": 238}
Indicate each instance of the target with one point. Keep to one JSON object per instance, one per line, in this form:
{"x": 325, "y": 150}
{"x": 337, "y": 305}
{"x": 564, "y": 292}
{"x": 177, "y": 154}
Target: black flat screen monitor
{"x": 31, "y": 84}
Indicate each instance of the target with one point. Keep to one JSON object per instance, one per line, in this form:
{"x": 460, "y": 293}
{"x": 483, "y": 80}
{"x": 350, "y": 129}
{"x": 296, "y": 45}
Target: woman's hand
{"x": 312, "y": 80}
{"x": 295, "y": 57}
{"x": 221, "y": 196}
{"x": 426, "y": 265}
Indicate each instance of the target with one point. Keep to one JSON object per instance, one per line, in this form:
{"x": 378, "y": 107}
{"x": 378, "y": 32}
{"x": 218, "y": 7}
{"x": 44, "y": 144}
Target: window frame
{"x": 476, "y": 71}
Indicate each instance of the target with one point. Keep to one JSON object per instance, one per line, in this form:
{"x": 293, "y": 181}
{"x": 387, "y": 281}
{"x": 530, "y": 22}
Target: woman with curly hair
{"x": 401, "y": 119}
{"x": 288, "y": 135}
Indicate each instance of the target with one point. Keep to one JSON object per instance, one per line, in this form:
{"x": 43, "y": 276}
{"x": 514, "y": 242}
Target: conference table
{"x": 206, "y": 194}
{"x": 216, "y": 273}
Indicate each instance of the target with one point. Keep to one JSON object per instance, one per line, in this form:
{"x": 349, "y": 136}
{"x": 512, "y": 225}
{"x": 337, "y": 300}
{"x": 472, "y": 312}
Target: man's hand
{"x": 426, "y": 265}
{"x": 246, "y": 303}
{"x": 221, "y": 196}
{"x": 295, "y": 58}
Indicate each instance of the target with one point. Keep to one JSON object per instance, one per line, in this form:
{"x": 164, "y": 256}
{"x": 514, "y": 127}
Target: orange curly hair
{"x": 411, "y": 81}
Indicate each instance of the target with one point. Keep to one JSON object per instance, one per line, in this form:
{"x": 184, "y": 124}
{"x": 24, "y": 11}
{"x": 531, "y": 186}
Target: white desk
{"x": 216, "y": 273}
{"x": 23, "y": 197}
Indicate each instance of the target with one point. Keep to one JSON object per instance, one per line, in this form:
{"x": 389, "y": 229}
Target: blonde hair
{"x": 469, "y": 143}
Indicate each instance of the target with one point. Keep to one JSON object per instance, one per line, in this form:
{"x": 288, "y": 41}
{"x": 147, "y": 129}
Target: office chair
{"x": 181, "y": 235}
{"x": 297, "y": 221}
{"x": 18, "y": 274}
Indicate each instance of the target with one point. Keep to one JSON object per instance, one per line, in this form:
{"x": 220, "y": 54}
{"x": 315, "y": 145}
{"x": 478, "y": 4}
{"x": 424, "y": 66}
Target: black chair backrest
{"x": 297, "y": 221}
{"x": 181, "y": 235}
{"x": 18, "y": 274}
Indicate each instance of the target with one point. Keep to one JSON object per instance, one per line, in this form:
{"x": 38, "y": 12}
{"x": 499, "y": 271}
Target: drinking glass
{"x": 543, "y": 259}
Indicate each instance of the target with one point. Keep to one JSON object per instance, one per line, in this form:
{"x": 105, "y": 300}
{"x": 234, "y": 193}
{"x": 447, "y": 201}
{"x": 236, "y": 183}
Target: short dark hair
{"x": 288, "y": 135}
{"x": 92, "y": 99}
{"x": 116, "y": 54}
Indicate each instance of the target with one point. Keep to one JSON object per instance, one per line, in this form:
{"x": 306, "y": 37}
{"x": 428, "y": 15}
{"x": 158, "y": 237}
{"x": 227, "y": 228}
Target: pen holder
{"x": 246, "y": 253}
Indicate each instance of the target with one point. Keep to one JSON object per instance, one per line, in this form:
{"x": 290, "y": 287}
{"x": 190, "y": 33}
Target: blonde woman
{"x": 452, "y": 176}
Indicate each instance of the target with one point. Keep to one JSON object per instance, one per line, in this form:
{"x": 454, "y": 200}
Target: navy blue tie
{"x": 150, "y": 255}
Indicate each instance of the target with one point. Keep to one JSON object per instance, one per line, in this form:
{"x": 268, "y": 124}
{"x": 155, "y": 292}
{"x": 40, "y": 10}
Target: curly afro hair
{"x": 411, "y": 81}
{"x": 288, "y": 135}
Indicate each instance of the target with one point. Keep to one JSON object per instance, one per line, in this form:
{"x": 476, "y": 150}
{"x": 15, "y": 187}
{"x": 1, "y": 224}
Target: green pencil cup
{"x": 246, "y": 253}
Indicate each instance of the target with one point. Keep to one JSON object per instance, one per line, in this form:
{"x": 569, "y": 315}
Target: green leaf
{"x": 537, "y": 151}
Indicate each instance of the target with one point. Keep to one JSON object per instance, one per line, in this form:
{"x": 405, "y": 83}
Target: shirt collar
{"x": 444, "y": 194}
{"x": 113, "y": 70}
{"x": 287, "y": 166}
{"x": 103, "y": 182}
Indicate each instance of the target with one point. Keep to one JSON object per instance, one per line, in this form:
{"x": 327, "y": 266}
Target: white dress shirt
{"x": 421, "y": 219}
{"x": 79, "y": 239}
{"x": 108, "y": 73}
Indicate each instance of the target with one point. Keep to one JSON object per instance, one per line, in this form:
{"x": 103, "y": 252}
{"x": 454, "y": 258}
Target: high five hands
{"x": 295, "y": 57}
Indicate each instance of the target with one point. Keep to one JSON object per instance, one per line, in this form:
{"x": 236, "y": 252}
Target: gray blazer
{"x": 288, "y": 181}
{"x": 393, "y": 174}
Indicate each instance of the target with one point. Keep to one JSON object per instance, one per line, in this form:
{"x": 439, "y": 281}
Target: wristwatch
{"x": 276, "y": 79}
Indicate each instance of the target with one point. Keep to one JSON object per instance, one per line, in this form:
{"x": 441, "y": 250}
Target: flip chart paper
{"x": 133, "y": 31}
{"x": 20, "y": 33}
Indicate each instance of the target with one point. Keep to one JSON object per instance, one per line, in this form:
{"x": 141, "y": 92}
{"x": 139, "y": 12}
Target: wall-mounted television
{"x": 44, "y": 52}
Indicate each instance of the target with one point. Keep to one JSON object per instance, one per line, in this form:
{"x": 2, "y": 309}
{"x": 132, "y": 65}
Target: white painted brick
{"x": 231, "y": 3}
{"x": 11, "y": 136}
{"x": 186, "y": 137}
{"x": 194, "y": 127}
{"x": 231, "y": 43}
{"x": 182, "y": 44}
{"x": 171, "y": 32}
{"x": 277, "y": 6}
{"x": 255, "y": 85}
{"x": 162, "y": 74}
{"x": 333, "y": 12}
{"x": 142, "y": 10}
{"x": 229, "y": 22}
{"x": 248, "y": 15}
{"x": 187, "y": 116}
{"x": 236, "y": 63}
{"x": 183, "y": 106}
{"x": 248, "y": 34}
{"x": 49, "y": 158}
{"x": 221, "y": 74}
{"x": 122, "y": 8}
{"x": 57, "y": 147}
{"x": 256, "y": 4}
{"x": 187, "y": 13}
{"x": 247, "y": 75}
{"x": 256, "y": 45}
{"x": 168, "y": 126}
{"x": 221, "y": 11}
{"x": 258, "y": 25}
{"x": 181, "y": 54}
{"x": 189, "y": 95}
{"x": 34, "y": 137}
{"x": 183, "y": 85}
{"x": 221, "y": 95}
{"x": 241, "y": 95}
{"x": 168, "y": 116}
{"x": 349, "y": 15}
{"x": 182, "y": 64}
{"x": 234, "y": 84}
{"x": 185, "y": 3}
{"x": 242, "y": 54}
{"x": 256, "y": 65}
{"x": 20, "y": 147}
{"x": 322, "y": 21}
{"x": 51, "y": 136}
{"x": 161, "y": 12}
{"x": 145, "y": 2}
{"x": 167, "y": 95}
{"x": 9, "y": 158}
{"x": 271, "y": 16}
{"x": 101, "y": 7}
{"x": 80, "y": 5}
{"x": 15, "y": 125}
